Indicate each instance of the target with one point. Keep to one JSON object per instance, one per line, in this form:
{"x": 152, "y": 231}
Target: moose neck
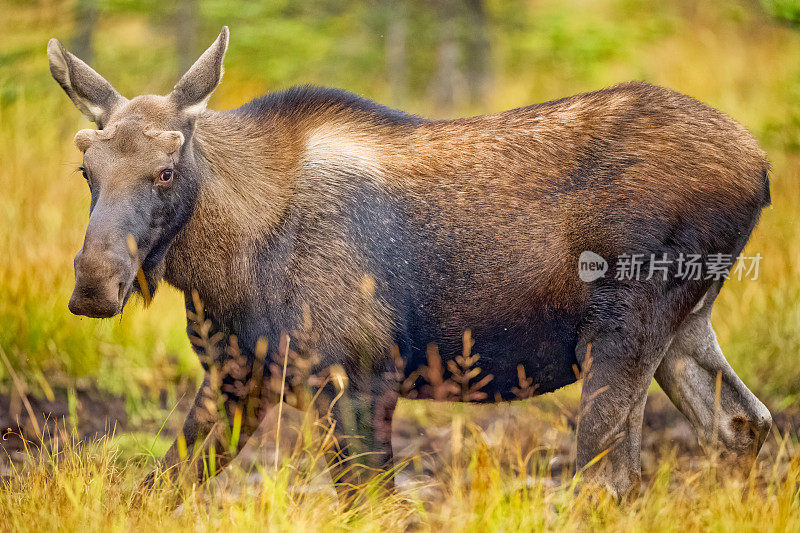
{"x": 245, "y": 169}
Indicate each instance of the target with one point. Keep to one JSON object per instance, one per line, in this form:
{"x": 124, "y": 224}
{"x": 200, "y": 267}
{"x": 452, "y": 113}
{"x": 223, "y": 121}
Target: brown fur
{"x": 488, "y": 176}
{"x": 374, "y": 233}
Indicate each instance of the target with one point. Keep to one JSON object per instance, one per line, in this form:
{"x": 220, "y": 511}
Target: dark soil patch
{"x": 539, "y": 424}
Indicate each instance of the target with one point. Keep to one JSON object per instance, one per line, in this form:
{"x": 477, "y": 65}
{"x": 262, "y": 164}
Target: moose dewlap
{"x": 425, "y": 258}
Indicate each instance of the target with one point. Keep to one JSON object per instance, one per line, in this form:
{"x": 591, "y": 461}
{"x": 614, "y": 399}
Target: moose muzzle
{"x": 102, "y": 281}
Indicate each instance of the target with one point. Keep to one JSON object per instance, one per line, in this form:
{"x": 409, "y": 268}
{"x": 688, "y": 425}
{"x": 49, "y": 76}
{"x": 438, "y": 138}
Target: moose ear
{"x": 88, "y": 90}
{"x": 193, "y": 90}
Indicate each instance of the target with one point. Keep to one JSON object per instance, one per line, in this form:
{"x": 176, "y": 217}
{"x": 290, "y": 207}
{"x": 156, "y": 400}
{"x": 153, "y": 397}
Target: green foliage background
{"x": 740, "y": 56}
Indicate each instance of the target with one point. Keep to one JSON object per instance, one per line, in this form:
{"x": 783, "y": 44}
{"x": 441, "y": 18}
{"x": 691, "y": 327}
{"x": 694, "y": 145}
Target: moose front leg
{"x": 229, "y": 404}
{"x": 360, "y": 417}
{"x": 219, "y": 424}
{"x": 182, "y": 460}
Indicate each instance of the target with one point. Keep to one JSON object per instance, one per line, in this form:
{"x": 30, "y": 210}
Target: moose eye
{"x": 165, "y": 176}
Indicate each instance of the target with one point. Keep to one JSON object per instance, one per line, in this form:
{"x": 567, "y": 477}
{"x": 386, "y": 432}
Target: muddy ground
{"x": 423, "y": 434}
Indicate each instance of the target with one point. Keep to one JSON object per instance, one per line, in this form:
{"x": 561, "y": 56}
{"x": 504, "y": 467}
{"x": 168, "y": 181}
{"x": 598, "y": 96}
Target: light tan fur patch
{"x": 342, "y": 146}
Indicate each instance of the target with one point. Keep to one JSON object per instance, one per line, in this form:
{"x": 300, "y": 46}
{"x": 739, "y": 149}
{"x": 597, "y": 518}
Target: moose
{"x": 390, "y": 233}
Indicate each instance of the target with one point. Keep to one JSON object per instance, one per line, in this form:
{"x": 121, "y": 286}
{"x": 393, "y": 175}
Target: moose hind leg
{"x": 613, "y": 397}
{"x": 619, "y": 352}
{"x": 361, "y": 417}
{"x": 697, "y": 378}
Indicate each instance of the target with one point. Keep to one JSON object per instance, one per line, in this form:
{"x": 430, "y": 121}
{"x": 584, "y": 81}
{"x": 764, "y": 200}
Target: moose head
{"x": 139, "y": 165}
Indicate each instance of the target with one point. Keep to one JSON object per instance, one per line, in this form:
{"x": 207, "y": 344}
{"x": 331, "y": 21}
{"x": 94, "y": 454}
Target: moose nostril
{"x": 121, "y": 291}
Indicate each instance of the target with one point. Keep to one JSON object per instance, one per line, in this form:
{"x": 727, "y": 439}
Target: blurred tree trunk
{"x": 396, "y": 53}
{"x": 478, "y": 53}
{"x": 448, "y": 79}
{"x": 85, "y": 21}
{"x": 186, "y": 24}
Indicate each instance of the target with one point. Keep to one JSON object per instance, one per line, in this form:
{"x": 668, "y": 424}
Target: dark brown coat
{"x": 368, "y": 236}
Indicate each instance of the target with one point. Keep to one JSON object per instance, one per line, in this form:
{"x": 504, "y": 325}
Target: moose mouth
{"x": 100, "y": 301}
{"x": 94, "y": 303}
{"x": 105, "y": 280}
{"x": 103, "y": 285}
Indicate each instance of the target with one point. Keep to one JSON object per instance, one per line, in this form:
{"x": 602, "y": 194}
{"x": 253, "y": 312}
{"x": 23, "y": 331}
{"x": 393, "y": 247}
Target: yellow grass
{"x": 489, "y": 485}
{"x": 727, "y": 53}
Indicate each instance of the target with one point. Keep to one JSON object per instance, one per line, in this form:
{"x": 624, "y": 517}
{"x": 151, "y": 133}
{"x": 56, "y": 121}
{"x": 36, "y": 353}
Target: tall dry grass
{"x": 488, "y": 485}
{"x": 728, "y": 53}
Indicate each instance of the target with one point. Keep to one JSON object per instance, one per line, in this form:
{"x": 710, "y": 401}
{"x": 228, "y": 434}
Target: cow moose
{"x": 389, "y": 233}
